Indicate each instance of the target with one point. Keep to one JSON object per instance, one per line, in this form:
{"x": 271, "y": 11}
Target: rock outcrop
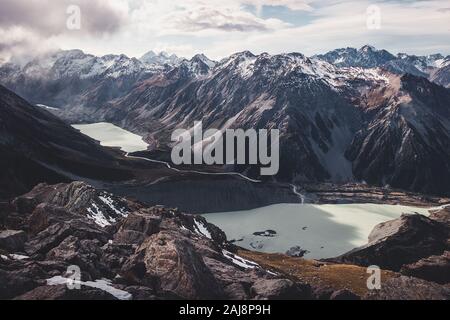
{"x": 12, "y": 240}
{"x": 398, "y": 242}
{"x": 141, "y": 253}
{"x": 434, "y": 268}
{"x": 49, "y": 239}
{"x": 413, "y": 245}
{"x": 407, "y": 288}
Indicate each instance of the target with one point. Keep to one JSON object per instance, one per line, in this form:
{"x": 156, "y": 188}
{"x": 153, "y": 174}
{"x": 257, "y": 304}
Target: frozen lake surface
{"x": 110, "y": 135}
{"x": 324, "y": 230}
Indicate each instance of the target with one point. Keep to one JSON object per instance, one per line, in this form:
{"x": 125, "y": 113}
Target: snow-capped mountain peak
{"x": 368, "y": 48}
{"x": 365, "y": 57}
{"x": 204, "y": 59}
{"x": 161, "y": 58}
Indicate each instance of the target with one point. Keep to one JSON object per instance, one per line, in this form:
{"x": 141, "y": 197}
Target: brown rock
{"x": 280, "y": 289}
{"x": 12, "y": 240}
{"x": 434, "y": 268}
{"x": 442, "y": 216}
{"x": 398, "y": 242}
{"x": 136, "y": 227}
{"x": 407, "y": 288}
{"x": 61, "y": 292}
{"x": 176, "y": 266}
{"x": 344, "y": 294}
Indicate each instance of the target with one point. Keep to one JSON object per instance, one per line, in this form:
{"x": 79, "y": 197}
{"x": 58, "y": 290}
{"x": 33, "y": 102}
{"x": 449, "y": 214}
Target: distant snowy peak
{"x": 442, "y": 63}
{"x": 290, "y": 66}
{"x": 424, "y": 66}
{"x": 75, "y": 63}
{"x": 161, "y": 58}
{"x": 423, "y": 62}
{"x": 434, "y": 67}
{"x": 204, "y": 59}
{"x": 197, "y": 67}
{"x": 365, "y": 57}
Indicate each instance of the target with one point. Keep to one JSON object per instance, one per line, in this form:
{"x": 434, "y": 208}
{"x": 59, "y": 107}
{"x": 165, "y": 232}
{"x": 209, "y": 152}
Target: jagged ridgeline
{"x": 359, "y": 115}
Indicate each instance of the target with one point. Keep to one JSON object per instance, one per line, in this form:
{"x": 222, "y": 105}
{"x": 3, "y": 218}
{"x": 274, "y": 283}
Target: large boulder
{"x": 77, "y": 198}
{"x": 56, "y": 233}
{"x": 408, "y": 288}
{"x": 280, "y": 289}
{"x": 434, "y": 268}
{"x": 62, "y": 292}
{"x": 136, "y": 227}
{"x": 399, "y": 242}
{"x": 12, "y": 240}
{"x": 344, "y": 294}
{"x": 441, "y": 215}
{"x": 13, "y": 284}
{"x": 173, "y": 262}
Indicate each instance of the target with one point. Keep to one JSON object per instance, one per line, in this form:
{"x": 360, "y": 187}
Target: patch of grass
{"x": 316, "y": 273}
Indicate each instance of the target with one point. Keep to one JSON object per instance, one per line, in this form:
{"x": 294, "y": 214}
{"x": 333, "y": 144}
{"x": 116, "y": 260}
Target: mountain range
{"x": 347, "y": 119}
{"x": 350, "y": 115}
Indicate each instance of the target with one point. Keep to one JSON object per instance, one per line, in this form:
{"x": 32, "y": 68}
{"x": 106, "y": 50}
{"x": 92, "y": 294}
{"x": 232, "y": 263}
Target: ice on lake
{"x": 325, "y": 231}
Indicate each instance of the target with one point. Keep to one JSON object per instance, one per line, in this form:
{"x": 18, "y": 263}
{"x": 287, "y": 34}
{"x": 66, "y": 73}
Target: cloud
{"x": 219, "y": 28}
{"x": 25, "y": 23}
{"x": 49, "y": 17}
{"x": 415, "y": 27}
{"x": 297, "y": 5}
{"x": 226, "y": 19}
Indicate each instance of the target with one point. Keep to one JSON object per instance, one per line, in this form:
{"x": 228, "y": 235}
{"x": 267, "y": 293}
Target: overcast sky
{"x": 221, "y": 27}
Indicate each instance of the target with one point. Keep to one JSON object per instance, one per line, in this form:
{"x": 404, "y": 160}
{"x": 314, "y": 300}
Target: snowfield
{"x": 325, "y": 231}
{"x": 110, "y": 135}
{"x": 102, "y": 284}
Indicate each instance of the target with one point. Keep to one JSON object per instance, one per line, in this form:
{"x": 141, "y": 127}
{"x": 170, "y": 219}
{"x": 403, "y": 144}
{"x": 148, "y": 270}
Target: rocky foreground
{"x": 126, "y": 251}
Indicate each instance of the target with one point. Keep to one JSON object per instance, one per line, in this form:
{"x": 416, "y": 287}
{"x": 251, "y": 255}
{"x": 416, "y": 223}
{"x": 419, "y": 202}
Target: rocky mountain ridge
{"x": 329, "y": 114}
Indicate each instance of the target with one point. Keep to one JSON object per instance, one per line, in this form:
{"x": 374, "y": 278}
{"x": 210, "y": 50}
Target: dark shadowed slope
{"x": 37, "y": 147}
{"x": 406, "y": 142}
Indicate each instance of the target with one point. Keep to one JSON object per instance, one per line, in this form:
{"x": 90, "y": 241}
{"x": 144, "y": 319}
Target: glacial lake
{"x": 325, "y": 231}
{"x": 110, "y": 135}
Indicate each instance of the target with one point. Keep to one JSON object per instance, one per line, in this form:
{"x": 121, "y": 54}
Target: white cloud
{"x": 30, "y": 25}
{"x": 226, "y": 19}
{"x": 219, "y": 28}
{"x": 420, "y": 28}
{"x": 303, "y": 5}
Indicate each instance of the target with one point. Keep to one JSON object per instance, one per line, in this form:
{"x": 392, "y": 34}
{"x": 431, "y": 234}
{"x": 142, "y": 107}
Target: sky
{"x": 219, "y": 28}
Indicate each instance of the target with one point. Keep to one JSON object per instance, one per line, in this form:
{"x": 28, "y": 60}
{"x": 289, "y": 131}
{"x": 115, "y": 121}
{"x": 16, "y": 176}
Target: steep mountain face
{"x": 442, "y": 75}
{"x": 75, "y": 78}
{"x": 406, "y": 142}
{"x": 337, "y": 124}
{"x": 78, "y": 83}
{"x": 36, "y": 146}
{"x": 303, "y": 98}
{"x": 327, "y": 108}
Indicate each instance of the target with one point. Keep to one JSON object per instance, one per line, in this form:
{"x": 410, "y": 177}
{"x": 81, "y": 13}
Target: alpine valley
{"x": 87, "y": 178}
